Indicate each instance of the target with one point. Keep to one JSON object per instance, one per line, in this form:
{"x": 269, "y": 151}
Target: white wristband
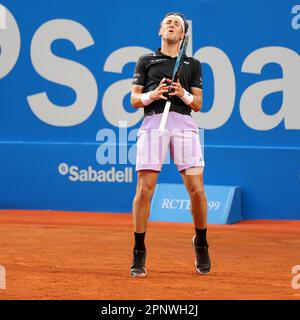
{"x": 187, "y": 98}
{"x": 146, "y": 100}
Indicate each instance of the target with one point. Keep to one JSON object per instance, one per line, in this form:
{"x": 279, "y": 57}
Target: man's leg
{"x": 140, "y": 212}
{"x": 193, "y": 180}
{"x": 141, "y": 204}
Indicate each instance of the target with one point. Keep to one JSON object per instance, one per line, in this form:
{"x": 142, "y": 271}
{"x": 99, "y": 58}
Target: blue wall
{"x": 81, "y": 56}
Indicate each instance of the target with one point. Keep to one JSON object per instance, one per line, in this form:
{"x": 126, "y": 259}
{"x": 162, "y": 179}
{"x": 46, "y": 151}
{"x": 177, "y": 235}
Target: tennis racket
{"x": 176, "y": 71}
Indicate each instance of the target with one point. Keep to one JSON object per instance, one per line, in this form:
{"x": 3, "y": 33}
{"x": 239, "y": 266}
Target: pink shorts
{"x": 181, "y": 138}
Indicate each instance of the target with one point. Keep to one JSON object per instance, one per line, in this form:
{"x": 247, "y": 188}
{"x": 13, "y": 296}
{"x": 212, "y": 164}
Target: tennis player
{"x": 150, "y": 89}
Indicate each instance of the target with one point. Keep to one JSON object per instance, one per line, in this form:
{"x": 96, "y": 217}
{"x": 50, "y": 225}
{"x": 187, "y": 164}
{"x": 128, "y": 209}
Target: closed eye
{"x": 177, "y": 24}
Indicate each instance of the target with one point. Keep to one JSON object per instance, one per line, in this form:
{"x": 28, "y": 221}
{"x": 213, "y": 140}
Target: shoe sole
{"x": 139, "y": 275}
{"x": 195, "y": 264}
{"x": 199, "y": 271}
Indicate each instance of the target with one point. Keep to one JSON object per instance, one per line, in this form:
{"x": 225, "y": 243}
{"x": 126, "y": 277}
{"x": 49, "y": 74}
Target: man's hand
{"x": 159, "y": 91}
{"x": 176, "y": 89}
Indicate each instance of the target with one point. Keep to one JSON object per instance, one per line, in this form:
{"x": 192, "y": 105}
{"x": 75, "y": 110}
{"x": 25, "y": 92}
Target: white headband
{"x": 176, "y": 17}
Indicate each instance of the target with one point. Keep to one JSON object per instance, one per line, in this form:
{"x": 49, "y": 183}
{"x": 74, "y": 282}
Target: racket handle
{"x": 164, "y": 118}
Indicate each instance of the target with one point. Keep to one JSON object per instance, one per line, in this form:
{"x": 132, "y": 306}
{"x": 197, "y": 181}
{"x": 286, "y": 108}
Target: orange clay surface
{"x": 64, "y": 255}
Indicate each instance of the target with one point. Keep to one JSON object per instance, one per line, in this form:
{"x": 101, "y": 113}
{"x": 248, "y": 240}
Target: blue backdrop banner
{"x": 68, "y": 132}
{"x": 171, "y": 203}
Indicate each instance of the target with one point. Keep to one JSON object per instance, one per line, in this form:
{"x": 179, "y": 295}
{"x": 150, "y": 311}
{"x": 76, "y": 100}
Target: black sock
{"x": 139, "y": 241}
{"x": 201, "y": 237}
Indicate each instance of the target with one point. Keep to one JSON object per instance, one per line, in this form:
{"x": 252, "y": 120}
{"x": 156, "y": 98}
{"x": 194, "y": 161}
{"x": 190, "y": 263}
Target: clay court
{"x": 69, "y": 255}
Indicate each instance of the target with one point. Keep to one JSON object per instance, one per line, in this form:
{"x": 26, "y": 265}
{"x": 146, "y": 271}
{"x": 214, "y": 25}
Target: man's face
{"x": 171, "y": 30}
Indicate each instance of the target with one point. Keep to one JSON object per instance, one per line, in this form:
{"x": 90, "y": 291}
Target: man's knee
{"x": 144, "y": 193}
{"x": 197, "y": 194}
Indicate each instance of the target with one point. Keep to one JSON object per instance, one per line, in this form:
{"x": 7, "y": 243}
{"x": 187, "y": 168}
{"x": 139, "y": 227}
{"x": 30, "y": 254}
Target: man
{"x": 151, "y": 87}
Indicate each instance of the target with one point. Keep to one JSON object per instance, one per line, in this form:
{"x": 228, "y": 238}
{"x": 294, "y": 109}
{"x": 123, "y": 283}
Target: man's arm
{"x": 196, "y": 105}
{"x": 192, "y": 99}
{"x": 136, "y": 94}
{"x": 141, "y": 100}
{"x": 196, "y": 86}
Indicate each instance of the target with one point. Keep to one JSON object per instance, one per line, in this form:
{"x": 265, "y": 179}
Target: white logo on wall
{"x": 2, "y": 17}
{"x": 296, "y": 17}
{"x": 185, "y": 204}
{"x": 296, "y": 279}
{"x": 76, "y": 174}
{"x": 78, "y": 77}
{"x": 2, "y": 278}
